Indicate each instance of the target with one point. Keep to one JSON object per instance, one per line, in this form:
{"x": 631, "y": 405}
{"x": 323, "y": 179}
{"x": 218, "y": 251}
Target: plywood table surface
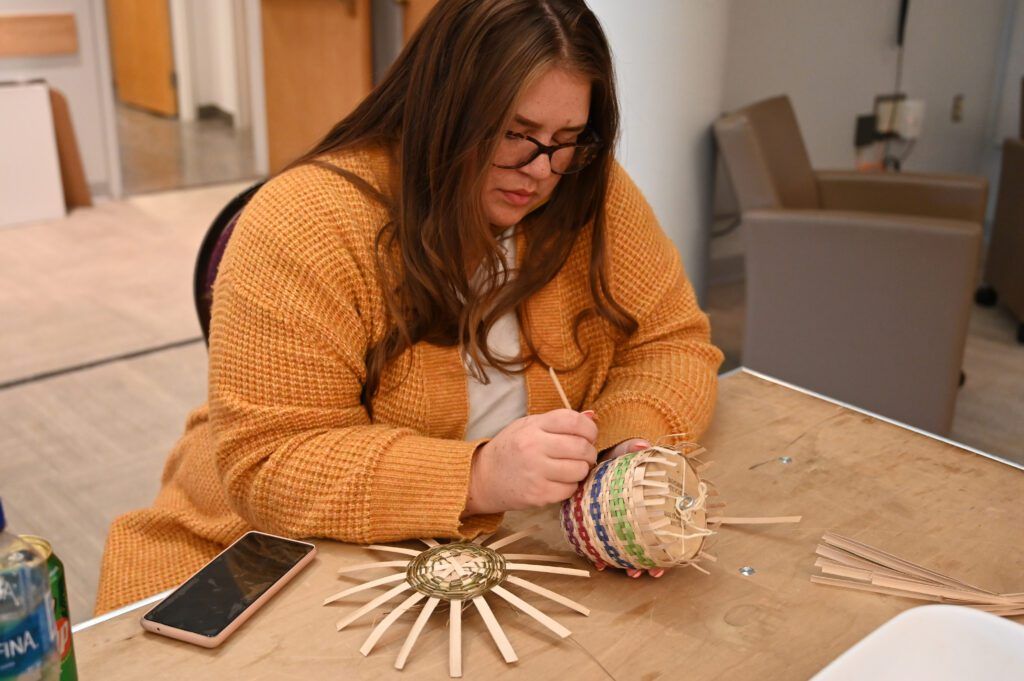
{"x": 928, "y": 501}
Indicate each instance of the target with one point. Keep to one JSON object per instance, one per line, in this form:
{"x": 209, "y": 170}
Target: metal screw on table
{"x": 785, "y": 460}
{"x": 747, "y": 571}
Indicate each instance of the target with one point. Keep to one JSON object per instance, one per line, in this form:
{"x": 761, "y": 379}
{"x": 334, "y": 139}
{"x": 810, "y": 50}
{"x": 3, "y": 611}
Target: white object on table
{"x": 935, "y": 642}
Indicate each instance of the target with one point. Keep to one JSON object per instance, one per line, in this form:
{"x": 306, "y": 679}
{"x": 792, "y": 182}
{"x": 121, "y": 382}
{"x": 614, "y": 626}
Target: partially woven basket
{"x": 647, "y": 509}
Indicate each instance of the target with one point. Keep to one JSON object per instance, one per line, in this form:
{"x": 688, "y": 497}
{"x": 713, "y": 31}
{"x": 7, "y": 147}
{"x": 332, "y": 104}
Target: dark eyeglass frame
{"x": 549, "y": 150}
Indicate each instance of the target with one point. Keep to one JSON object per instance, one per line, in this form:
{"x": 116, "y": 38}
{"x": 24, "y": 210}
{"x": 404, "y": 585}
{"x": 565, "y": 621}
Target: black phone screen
{"x": 213, "y": 597}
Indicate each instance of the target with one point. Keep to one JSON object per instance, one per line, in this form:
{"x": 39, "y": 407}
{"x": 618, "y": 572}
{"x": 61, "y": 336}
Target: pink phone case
{"x": 214, "y": 641}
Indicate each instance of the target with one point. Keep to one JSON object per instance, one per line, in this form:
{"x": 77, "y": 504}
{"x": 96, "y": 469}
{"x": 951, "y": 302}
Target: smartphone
{"x": 217, "y": 599}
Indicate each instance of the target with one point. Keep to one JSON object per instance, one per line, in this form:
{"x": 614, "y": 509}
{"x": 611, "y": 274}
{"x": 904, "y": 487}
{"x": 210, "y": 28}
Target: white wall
{"x": 214, "y": 68}
{"x": 670, "y": 61}
{"x": 833, "y": 56}
{"x": 182, "y": 47}
{"x": 85, "y": 80}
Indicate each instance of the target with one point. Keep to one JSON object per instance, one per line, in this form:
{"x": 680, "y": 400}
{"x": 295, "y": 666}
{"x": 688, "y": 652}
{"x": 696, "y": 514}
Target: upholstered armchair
{"x": 1004, "y": 266}
{"x": 858, "y": 284}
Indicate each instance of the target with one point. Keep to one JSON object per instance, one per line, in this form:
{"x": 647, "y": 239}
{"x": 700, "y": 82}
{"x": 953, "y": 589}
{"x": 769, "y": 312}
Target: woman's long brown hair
{"x": 442, "y": 108}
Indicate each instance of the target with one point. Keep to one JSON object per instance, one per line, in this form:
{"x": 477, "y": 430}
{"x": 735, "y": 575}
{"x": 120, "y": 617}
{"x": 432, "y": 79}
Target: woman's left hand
{"x": 636, "y": 444}
{"x": 633, "y": 445}
{"x": 653, "y": 572}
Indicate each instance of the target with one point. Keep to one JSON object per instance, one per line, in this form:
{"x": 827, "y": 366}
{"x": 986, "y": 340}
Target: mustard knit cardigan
{"x": 284, "y": 445}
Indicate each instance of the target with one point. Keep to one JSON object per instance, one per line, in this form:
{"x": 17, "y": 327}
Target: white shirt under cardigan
{"x": 494, "y": 405}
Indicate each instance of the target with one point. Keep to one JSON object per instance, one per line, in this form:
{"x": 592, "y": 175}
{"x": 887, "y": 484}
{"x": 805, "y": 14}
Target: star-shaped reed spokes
{"x": 457, "y": 572}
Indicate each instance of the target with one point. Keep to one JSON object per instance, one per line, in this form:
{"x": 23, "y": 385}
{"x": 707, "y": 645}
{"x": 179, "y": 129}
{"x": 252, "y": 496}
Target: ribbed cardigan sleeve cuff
{"x": 474, "y": 525}
{"x": 626, "y": 420}
{"x": 419, "y": 488}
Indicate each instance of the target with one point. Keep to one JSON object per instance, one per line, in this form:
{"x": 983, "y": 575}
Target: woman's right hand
{"x": 533, "y": 461}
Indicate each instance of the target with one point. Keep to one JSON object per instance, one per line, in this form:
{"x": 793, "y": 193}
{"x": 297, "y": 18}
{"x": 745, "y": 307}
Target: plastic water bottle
{"x": 28, "y": 632}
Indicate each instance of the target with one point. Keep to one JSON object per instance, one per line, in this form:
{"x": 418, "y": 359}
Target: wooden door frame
{"x": 182, "y": 59}
{"x": 253, "y": 19}
{"x": 108, "y": 103}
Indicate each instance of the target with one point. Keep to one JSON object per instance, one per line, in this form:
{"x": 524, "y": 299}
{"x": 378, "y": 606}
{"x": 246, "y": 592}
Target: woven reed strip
{"x": 614, "y": 489}
{"x": 637, "y": 516}
{"x": 585, "y": 528}
{"x": 657, "y": 547}
{"x": 568, "y": 527}
{"x": 578, "y": 505}
{"x": 596, "y": 513}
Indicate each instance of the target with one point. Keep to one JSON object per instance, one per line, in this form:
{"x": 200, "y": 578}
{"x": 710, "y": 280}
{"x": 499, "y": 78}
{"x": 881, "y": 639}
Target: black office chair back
{"x": 211, "y": 251}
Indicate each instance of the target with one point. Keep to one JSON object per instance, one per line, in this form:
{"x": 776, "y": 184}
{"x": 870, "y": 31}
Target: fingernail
{"x": 600, "y": 566}
{"x": 589, "y": 413}
{"x": 657, "y": 572}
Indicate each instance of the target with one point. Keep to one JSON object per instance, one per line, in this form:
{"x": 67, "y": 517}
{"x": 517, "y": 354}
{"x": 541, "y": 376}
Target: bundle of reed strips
{"x": 853, "y": 565}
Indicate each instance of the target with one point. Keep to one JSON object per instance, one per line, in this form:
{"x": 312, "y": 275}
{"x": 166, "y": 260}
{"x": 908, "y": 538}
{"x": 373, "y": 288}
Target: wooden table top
{"x": 925, "y": 500}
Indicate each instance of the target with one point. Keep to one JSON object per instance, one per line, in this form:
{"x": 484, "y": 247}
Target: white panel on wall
{"x": 670, "y": 62}
{"x": 214, "y": 72}
{"x": 30, "y": 184}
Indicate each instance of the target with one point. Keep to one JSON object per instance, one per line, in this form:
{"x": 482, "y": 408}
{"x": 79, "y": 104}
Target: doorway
{"x": 182, "y": 93}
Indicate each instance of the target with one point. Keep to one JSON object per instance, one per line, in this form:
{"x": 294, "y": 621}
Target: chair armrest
{"x": 867, "y": 308}
{"x": 955, "y": 197}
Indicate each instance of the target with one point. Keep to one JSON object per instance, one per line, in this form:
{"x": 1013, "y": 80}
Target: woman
{"x": 388, "y": 306}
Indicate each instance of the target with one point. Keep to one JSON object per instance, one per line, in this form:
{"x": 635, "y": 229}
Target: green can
{"x": 59, "y": 590}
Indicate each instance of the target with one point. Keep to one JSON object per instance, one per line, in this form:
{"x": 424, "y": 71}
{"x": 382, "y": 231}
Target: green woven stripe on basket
{"x": 626, "y": 532}
{"x": 624, "y": 529}
{"x": 612, "y": 504}
{"x": 622, "y": 523}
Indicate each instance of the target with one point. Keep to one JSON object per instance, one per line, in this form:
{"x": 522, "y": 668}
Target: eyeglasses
{"x": 516, "y": 150}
